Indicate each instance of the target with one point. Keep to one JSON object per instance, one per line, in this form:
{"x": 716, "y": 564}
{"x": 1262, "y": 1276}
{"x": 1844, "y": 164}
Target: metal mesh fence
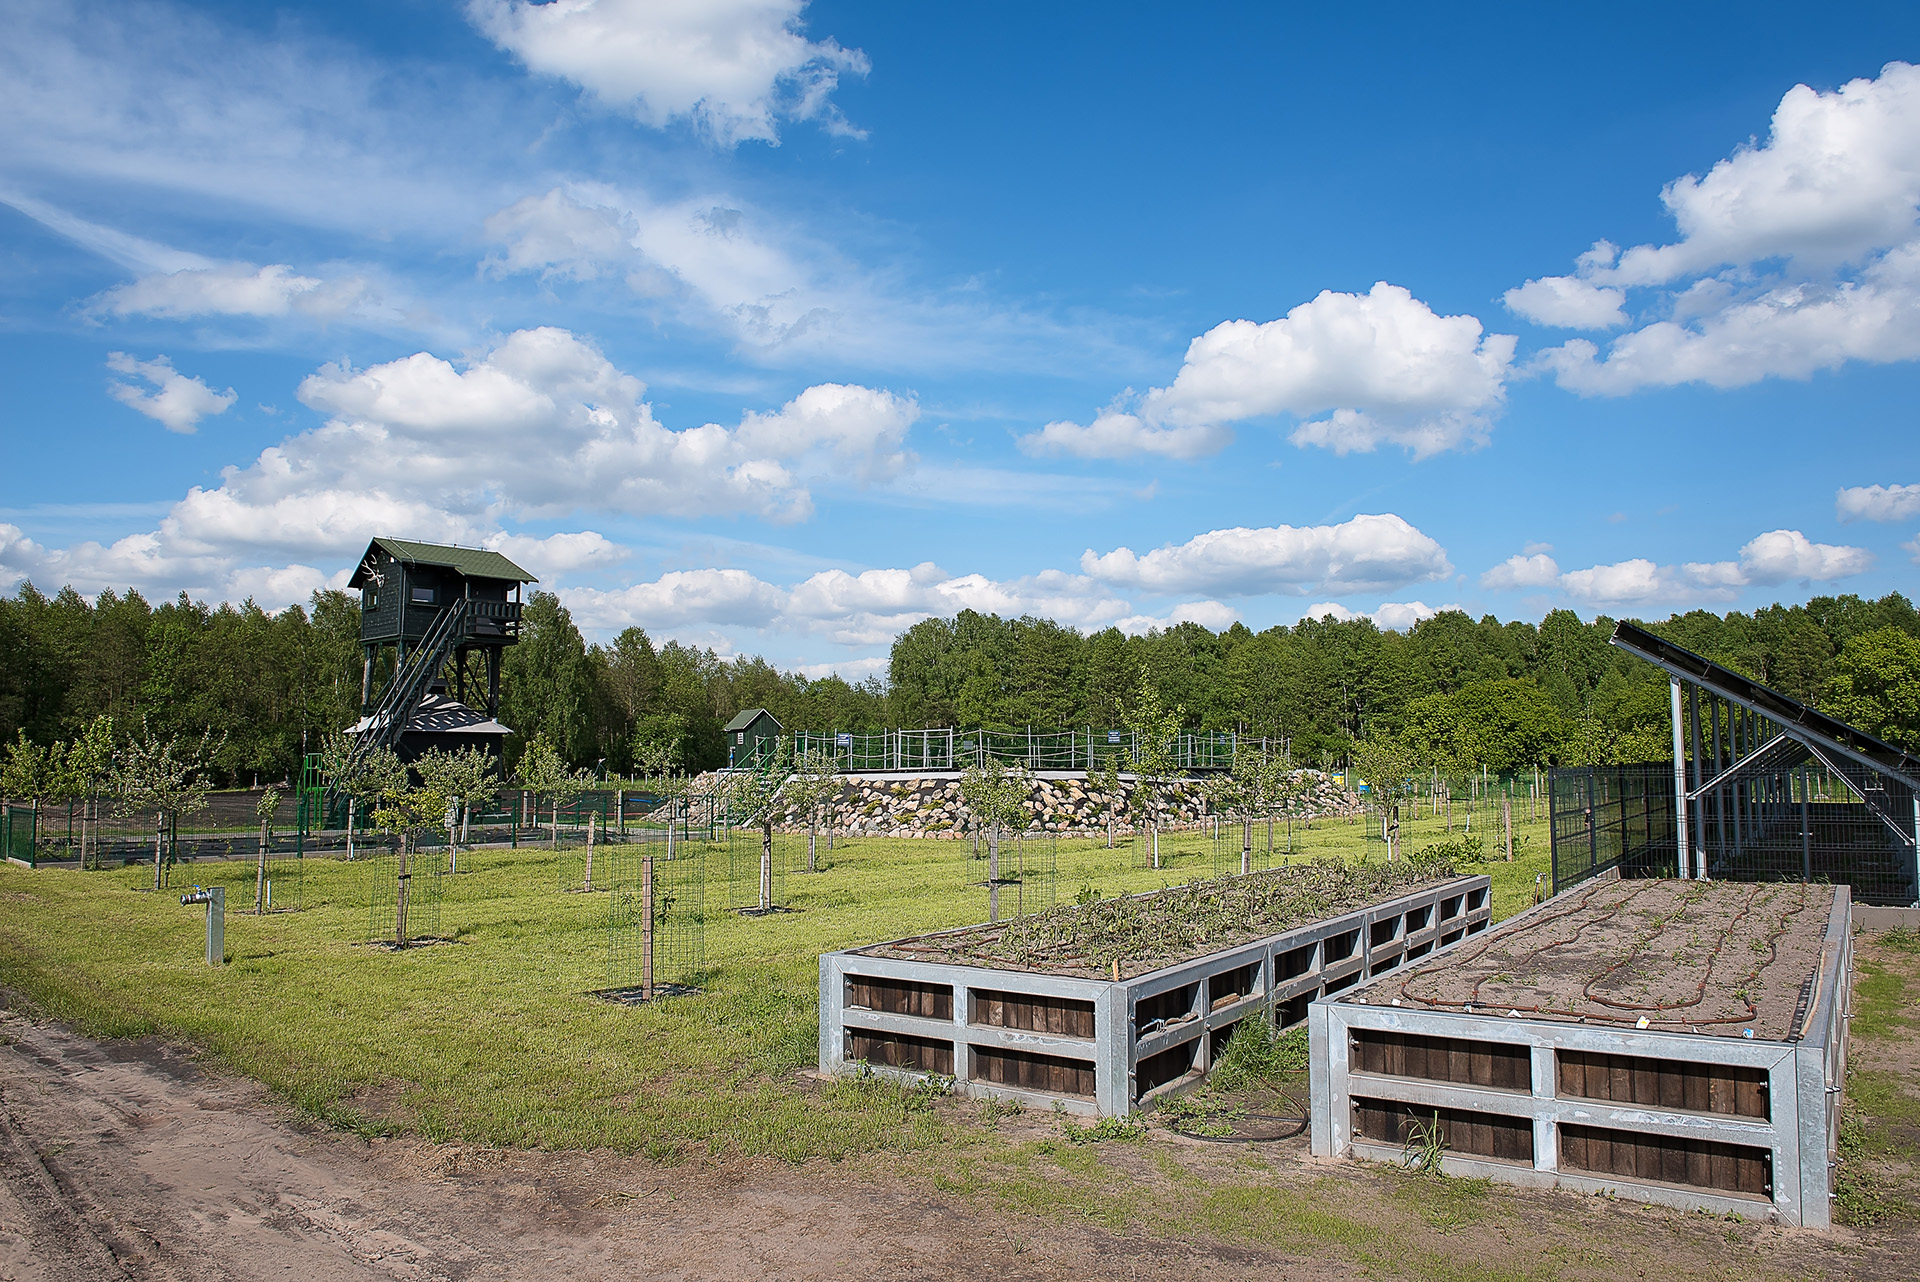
{"x": 1851, "y": 826}
{"x": 1246, "y": 844}
{"x": 1611, "y": 817}
{"x": 282, "y": 889}
{"x": 1177, "y": 849}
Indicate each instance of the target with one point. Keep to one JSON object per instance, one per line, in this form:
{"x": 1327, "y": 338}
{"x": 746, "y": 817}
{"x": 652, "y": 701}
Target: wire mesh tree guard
{"x": 403, "y": 896}
{"x": 656, "y": 919}
{"x": 757, "y": 859}
{"x": 1018, "y": 870}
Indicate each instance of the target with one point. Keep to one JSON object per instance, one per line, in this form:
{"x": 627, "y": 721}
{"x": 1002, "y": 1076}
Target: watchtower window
{"x": 423, "y": 596}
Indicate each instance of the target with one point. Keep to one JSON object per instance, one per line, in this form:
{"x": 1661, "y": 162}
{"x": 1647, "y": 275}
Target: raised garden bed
{"x": 1110, "y": 1006}
{"x": 1681, "y": 1042}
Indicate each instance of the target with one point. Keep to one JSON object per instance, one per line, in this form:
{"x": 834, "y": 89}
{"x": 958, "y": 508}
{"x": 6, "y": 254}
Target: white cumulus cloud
{"x": 231, "y": 289}
{"x": 1567, "y": 302}
{"x": 1837, "y": 178}
{"x": 1117, "y": 434}
{"x": 1394, "y": 616}
{"x": 1778, "y": 556}
{"x": 1878, "y": 502}
{"x": 1537, "y": 570}
{"x": 733, "y": 68}
{"x": 1782, "y": 555}
{"x": 1381, "y": 366}
{"x": 539, "y": 428}
{"x": 1364, "y": 553}
{"x": 557, "y": 554}
{"x": 868, "y": 608}
{"x": 1390, "y": 369}
{"x": 1796, "y": 255}
{"x": 175, "y": 401}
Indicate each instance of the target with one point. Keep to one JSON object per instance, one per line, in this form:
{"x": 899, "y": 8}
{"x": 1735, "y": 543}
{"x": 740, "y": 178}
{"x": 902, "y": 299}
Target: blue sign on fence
{"x": 1113, "y": 736}
{"x": 843, "y": 740}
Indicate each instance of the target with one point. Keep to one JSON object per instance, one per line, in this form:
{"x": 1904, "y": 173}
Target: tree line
{"x": 271, "y": 687}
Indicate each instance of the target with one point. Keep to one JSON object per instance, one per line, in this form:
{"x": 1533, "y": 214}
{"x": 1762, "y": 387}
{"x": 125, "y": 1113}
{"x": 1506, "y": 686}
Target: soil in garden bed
{"x": 1138, "y": 934}
{"x": 1684, "y": 956}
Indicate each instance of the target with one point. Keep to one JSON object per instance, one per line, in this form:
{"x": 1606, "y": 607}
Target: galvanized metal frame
{"x": 1805, "y": 1080}
{"x": 1118, "y": 1045}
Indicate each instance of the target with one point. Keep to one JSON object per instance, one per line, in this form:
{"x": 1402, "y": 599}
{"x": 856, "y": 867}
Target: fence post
{"x": 766, "y": 868}
{"x": 646, "y": 922}
{"x": 1593, "y": 826}
{"x": 1679, "y": 780}
{"x": 591, "y": 816}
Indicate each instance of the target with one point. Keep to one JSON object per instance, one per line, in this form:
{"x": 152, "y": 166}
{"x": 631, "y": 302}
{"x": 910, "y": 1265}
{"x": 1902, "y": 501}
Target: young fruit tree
{"x": 408, "y": 811}
{"x": 165, "y": 778}
{"x": 809, "y": 790}
{"x": 543, "y": 773}
{"x": 85, "y": 768}
{"x": 1108, "y": 779}
{"x": 263, "y": 810}
{"x": 1254, "y": 786}
{"x": 466, "y": 776}
{"x": 1389, "y": 767}
{"x": 363, "y": 781}
{"x": 995, "y": 795}
{"x": 1156, "y": 737}
{"x": 747, "y": 797}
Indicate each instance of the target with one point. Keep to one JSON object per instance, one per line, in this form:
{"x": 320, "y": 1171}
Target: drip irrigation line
{"x": 1489, "y": 944}
{"x": 1772, "y": 941}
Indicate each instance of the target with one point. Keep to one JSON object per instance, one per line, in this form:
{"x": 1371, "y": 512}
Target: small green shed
{"x": 750, "y": 734}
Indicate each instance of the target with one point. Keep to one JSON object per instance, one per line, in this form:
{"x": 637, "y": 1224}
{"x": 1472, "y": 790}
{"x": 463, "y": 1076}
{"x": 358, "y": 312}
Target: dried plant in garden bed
{"x": 1143, "y": 933}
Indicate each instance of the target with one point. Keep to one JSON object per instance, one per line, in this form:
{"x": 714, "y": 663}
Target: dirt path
{"x": 127, "y": 1161}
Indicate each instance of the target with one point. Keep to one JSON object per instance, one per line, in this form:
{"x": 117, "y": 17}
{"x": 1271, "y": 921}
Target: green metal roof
{"x": 475, "y": 563}
{"x": 742, "y": 720}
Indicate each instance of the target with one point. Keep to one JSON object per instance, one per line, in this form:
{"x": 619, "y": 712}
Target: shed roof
{"x": 474, "y": 563}
{"x": 746, "y": 717}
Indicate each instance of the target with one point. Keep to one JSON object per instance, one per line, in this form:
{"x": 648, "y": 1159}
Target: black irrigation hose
{"x": 1298, "y": 1121}
{"x": 1614, "y": 910}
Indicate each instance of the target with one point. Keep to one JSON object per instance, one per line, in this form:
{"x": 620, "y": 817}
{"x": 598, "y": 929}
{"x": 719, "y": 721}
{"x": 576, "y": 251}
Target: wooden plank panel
{"x": 900, "y": 997}
{"x": 919, "y": 1054}
{"x": 1491, "y": 1135}
{"x": 1731, "y": 1090}
{"x": 1060, "y": 1016}
{"x": 1703, "y": 1164}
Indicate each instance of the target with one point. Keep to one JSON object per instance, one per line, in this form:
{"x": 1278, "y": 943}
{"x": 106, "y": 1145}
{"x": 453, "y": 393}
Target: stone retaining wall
{"x": 1069, "y": 804}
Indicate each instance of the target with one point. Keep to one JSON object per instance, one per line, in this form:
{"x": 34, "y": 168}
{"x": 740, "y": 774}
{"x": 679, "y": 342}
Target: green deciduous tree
{"x": 1876, "y": 686}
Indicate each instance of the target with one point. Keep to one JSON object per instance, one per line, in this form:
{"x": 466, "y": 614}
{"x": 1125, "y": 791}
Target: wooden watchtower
{"x": 434, "y": 604}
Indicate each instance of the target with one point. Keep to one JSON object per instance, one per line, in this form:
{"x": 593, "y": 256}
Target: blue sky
{"x": 778, "y": 327}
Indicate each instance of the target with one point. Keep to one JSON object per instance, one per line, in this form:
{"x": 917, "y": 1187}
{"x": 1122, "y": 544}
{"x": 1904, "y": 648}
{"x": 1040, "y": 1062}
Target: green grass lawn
{"x": 494, "y": 1038}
